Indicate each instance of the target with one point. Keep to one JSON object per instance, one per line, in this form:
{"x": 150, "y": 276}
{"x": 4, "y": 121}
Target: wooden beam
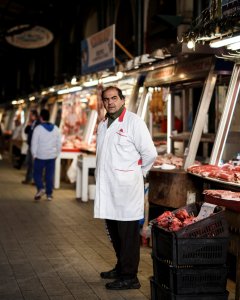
{"x": 123, "y": 49}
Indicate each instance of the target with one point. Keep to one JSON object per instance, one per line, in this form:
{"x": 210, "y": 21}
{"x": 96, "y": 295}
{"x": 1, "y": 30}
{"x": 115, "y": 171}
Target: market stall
{"x": 220, "y": 178}
{"x": 191, "y": 91}
{"x": 77, "y": 124}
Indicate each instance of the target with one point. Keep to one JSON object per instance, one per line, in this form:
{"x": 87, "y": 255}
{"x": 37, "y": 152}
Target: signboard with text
{"x": 98, "y": 51}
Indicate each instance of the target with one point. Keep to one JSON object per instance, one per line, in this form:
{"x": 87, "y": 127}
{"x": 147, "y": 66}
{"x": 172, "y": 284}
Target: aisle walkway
{"x": 55, "y": 250}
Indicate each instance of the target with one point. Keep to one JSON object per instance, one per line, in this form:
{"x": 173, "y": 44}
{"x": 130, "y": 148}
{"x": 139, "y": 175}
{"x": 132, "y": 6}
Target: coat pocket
{"x": 125, "y": 177}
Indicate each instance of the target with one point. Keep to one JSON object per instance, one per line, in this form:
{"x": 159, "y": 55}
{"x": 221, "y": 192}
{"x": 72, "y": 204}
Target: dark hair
{"x": 34, "y": 112}
{"x": 44, "y": 114}
{"x": 120, "y": 94}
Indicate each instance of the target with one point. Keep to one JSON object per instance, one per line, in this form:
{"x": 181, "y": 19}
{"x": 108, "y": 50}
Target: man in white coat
{"x": 125, "y": 153}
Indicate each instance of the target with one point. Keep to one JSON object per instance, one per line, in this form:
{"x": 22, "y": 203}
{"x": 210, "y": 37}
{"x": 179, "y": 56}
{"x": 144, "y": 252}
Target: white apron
{"x": 125, "y": 152}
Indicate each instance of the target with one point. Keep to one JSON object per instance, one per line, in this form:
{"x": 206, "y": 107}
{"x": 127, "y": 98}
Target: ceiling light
{"x": 74, "y": 80}
{"x": 31, "y": 98}
{"x": 90, "y": 83}
{"x": 112, "y": 78}
{"x": 70, "y": 90}
{"x": 120, "y": 74}
{"x": 191, "y": 44}
{"x": 234, "y": 46}
{"x": 109, "y": 79}
{"x": 225, "y": 42}
{"x": 145, "y": 58}
{"x": 158, "y": 54}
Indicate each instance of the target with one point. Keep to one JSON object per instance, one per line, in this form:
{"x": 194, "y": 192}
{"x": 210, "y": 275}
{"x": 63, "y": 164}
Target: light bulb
{"x": 191, "y": 44}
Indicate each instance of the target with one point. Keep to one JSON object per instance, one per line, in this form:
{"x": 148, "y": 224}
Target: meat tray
{"x": 230, "y": 204}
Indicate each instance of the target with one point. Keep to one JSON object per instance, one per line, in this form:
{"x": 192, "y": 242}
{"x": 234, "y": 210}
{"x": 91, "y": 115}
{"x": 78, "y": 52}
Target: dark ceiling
{"x": 23, "y": 71}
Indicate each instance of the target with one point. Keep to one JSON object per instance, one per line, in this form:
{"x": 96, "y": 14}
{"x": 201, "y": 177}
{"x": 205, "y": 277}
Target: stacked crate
{"x": 191, "y": 263}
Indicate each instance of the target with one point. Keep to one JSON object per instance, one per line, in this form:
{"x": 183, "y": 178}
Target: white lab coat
{"x": 125, "y": 153}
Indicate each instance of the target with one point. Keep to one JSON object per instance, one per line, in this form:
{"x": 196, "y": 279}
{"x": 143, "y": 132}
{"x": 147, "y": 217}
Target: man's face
{"x": 32, "y": 117}
{"x": 111, "y": 101}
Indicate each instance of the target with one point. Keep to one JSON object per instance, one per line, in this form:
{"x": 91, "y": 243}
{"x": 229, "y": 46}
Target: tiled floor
{"x": 55, "y": 249}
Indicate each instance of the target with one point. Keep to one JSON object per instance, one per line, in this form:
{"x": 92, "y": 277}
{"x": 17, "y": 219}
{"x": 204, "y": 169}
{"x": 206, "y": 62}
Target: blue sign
{"x": 98, "y": 51}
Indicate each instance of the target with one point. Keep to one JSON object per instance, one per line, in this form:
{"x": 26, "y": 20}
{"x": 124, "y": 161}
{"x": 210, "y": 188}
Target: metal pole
{"x": 139, "y": 27}
{"x": 223, "y": 128}
{"x": 200, "y": 118}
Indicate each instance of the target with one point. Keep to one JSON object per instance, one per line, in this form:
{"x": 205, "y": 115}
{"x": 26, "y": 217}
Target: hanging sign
{"x": 24, "y": 36}
{"x": 98, "y": 51}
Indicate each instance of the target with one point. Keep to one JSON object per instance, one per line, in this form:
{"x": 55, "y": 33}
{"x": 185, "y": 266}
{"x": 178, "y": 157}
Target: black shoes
{"x": 112, "y": 274}
{"x": 123, "y": 284}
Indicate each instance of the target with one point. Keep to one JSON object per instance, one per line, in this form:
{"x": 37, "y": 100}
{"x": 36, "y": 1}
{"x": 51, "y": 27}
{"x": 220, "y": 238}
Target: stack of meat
{"x": 226, "y": 172}
{"x": 169, "y": 159}
{"x": 173, "y": 222}
{"x": 229, "y": 199}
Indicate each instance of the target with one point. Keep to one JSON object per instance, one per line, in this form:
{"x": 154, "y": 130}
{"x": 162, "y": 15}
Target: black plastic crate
{"x": 203, "y": 242}
{"x": 158, "y": 292}
{"x": 190, "y": 279}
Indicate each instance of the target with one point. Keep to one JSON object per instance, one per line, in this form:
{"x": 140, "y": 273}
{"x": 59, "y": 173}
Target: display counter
{"x": 172, "y": 188}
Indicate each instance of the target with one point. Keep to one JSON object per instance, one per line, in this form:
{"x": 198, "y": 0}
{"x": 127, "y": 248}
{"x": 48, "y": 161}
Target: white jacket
{"x": 46, "y": 143}
{"x": 125, "y": 153}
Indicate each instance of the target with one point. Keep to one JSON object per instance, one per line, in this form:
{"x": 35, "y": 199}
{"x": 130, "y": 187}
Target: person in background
{"x": 45, "y": 148}
{"x": 125, "y": 153}
{"x": 16, "y": 145}
{"x": 1, "y": 139}
{"x": 32, "y": 123}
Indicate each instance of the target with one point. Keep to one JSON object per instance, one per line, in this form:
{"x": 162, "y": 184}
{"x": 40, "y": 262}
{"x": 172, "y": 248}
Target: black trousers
{"x": 125, "y": 237}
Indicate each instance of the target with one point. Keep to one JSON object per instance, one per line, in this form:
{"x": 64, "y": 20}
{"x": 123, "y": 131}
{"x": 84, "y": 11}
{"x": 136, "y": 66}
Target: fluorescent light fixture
{"x": 70, "y": 90}
{"x": 109, "y": 79}
{"x": 234, "y": 46}
{"x": 84, "y": 100}
{"x": 90, "y": 83}
{"x": 225, "y": 42}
